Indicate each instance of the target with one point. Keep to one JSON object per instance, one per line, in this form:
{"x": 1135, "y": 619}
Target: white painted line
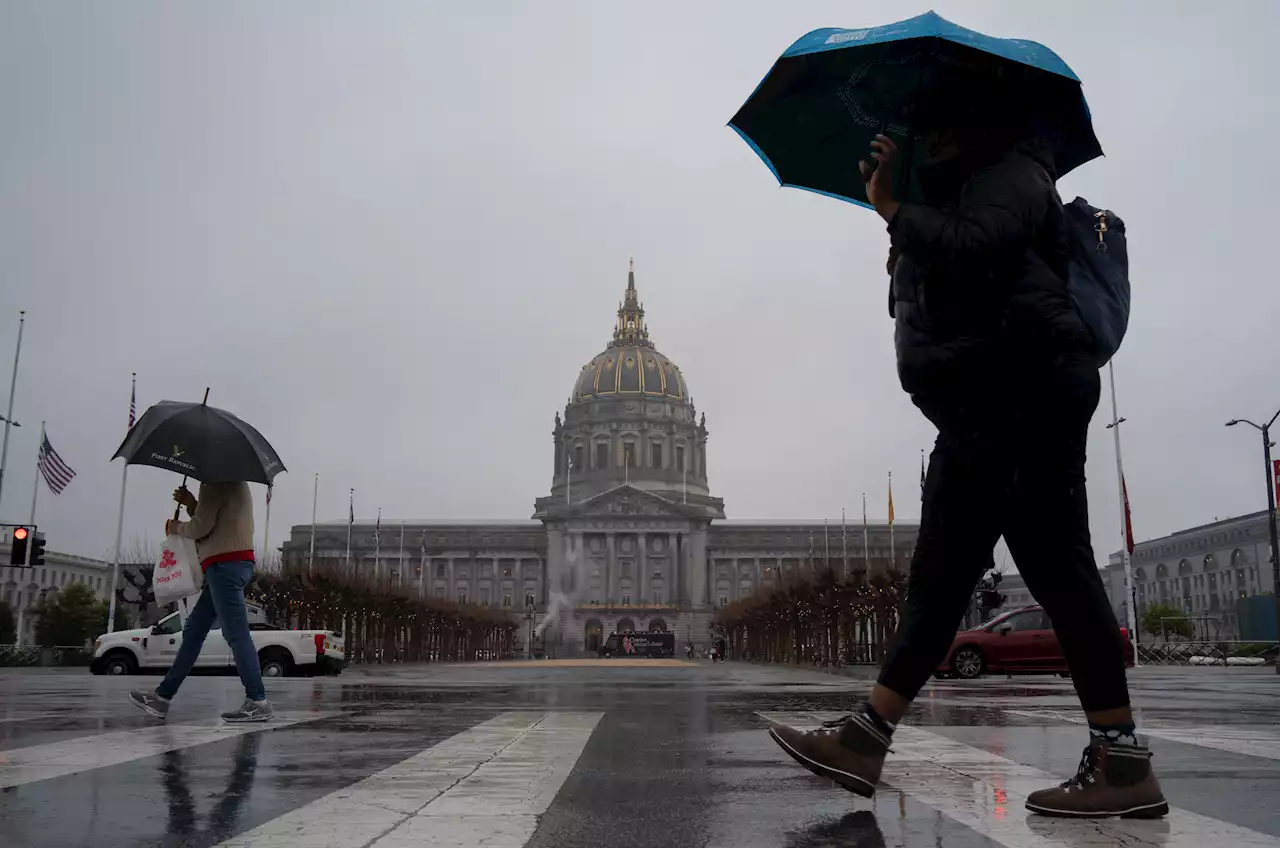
{"x": 1248, "y": 739}
{"x": 490, "y": 782}
{"x": 56, "y": 759}
{"x": 986, "y": 793}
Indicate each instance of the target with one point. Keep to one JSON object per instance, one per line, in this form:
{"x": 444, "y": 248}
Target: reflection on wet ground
{"x": 545, "y": 754}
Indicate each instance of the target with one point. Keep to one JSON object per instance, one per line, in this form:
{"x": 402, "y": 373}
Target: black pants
{"x": 1011, "y": 463}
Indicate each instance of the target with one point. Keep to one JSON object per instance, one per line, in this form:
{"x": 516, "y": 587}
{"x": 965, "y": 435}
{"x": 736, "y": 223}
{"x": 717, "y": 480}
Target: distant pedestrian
{"x": 993, "y": 352}
{"x": 222, "y": 526}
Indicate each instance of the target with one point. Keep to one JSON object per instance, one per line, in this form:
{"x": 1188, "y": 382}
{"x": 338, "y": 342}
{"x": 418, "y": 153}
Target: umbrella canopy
{"x": 813, "y": 116}
{"x": 203, "y": 442}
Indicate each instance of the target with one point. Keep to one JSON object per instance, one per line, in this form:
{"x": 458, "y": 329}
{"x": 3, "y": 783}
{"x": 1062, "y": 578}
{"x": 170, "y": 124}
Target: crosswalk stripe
{"x": 985, "y": 792}
{"x": 484, "y": 786}
{"x": 57, "y": 759}
{"x": 1250, "y": 740}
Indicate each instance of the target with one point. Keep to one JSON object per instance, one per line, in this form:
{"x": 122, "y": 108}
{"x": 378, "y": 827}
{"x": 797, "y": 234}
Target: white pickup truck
{"x": 281, "y": 652}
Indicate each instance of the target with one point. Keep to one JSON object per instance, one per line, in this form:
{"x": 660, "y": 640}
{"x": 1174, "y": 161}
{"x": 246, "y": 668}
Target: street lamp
{"x": 528, "y": 617}
{"x": 1265, "y": 429}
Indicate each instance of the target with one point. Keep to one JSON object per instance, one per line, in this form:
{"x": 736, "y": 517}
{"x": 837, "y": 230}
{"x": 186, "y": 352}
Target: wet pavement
{"x": 558, "y": 755}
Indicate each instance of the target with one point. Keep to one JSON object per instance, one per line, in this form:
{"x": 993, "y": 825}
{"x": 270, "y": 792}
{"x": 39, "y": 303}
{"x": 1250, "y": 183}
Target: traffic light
{"x": 37, "y": 549}
{"x": 18, "y": 546}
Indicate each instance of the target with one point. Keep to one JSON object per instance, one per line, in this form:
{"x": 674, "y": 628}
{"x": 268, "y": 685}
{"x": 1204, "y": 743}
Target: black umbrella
{"x": 200, "y": 441}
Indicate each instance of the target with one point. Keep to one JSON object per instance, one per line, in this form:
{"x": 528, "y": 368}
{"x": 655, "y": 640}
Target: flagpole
{"x": 568, "y": 486}
{"x": 377, "y": 547}
{"x": 422, "y": 573}
{"x": 844, "y": 549}
{"x": 315, "y": 495}
{"x": 401, "y": 575}
{"x": 826, "y": 546}
{"x": 866, "y": 549}
{"x": 351, "y": 517}
{"x": 892, "y": 548}
{"x": 1130, "y": 613}
{"x": 13, "y": 386}
{"x": 35, "y": 491}
{"x": 115, "y": 558}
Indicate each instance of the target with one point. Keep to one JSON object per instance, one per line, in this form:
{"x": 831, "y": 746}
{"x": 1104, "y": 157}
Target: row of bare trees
{"x": 383, "y": 621}
{"x": 822, "y": 617}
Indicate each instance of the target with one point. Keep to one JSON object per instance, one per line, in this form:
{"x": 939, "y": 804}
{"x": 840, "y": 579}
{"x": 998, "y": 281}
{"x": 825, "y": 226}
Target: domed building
{"x": 630, "y": 537}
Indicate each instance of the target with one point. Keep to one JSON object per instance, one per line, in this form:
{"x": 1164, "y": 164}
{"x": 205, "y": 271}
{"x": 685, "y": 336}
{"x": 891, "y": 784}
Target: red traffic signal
{"x": 18, "y": 546}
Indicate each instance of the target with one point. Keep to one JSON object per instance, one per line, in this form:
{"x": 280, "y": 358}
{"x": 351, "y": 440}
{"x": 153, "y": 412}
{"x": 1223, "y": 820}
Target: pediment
{"x": 626, "y": 500}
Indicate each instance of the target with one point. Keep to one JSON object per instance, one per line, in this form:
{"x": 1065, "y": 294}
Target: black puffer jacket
{"x": 978, "y": 293}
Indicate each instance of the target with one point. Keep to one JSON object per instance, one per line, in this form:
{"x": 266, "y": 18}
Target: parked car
{"x": 281, "y": 652}
{"x": 1020, "y": 641}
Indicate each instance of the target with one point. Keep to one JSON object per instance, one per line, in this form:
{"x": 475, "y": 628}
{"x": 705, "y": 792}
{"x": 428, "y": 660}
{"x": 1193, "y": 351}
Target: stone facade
{"x": 629, "y": 537}
{"x": 1204, "y": 571}
{"x": 22, "y": 588}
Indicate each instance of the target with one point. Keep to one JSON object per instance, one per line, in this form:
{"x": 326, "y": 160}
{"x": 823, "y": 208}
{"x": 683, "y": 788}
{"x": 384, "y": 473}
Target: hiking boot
{"x": 250, "y": 711}
{"x": 150, "y": 703}
{"x": 1113, "y": 780}
{"x": 849, "y": 751}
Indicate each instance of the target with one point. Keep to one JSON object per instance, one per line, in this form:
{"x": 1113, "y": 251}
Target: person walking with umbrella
{"x": 224, "y": 453}
{"x": 966, "y": 136}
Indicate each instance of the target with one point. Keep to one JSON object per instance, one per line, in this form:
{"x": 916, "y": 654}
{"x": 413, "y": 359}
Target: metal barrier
{"x": 30, "y": 656}
{"x": 1220, "y": 654}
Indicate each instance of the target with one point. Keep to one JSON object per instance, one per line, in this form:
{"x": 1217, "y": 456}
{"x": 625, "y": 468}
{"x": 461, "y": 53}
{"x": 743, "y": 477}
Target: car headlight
{"x": 97, "y": 643}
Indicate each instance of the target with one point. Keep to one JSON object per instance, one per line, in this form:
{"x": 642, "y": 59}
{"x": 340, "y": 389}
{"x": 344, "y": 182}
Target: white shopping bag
{"x": 177, "y": 573}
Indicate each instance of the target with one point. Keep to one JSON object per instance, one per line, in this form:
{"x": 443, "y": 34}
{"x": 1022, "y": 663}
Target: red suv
{"x": 1020, "y": 641}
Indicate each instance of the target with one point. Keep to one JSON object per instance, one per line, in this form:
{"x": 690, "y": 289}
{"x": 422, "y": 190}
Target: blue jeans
{"x": 222, "y": 598}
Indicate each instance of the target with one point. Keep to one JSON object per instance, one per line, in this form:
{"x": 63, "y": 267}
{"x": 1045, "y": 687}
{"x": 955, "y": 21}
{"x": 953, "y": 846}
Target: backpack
{"x": 1098, "y": 274}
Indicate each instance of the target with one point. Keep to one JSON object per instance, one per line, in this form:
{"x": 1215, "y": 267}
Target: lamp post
{"x": 528, "y": 617}
{"x": 1265, "y": 429}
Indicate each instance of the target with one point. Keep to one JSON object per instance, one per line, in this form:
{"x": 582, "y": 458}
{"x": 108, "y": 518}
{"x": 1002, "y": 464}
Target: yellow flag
{"x": 890, "y": 497}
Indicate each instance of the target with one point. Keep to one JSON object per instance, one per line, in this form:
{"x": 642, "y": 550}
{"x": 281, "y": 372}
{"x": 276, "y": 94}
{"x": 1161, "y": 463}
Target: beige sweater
{"x": 222, "y": 522}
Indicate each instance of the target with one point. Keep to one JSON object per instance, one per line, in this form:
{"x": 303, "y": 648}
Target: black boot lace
{"x": 1084, "y": 775}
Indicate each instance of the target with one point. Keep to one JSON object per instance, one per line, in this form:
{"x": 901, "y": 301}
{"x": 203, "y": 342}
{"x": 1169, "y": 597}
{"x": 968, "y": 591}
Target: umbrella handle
{"x": 177, "y": 510}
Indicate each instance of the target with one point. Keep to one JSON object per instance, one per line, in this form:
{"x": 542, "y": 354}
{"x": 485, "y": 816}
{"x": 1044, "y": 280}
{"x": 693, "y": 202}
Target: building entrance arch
{"x": 593, "y": 635}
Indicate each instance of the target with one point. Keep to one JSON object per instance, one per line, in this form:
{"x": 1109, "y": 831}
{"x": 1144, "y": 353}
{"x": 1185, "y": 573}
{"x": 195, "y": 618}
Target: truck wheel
{"x": 121, "y": 662}
{"x": 276, "y": 662}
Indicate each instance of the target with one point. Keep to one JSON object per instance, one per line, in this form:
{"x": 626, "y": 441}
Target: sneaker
{"x": 847, "y": 750}
{"x": 150, "y": 703}
{"x": 250, "y": 711}
{"x": 1113, "y": 780}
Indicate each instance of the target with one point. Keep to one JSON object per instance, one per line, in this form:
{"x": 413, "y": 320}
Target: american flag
{"x": 133, "y": 405}
{"x": 56, "y": 472}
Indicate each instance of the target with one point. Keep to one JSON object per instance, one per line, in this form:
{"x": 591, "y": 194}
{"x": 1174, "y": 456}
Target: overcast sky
{"x": 391, "y": 234}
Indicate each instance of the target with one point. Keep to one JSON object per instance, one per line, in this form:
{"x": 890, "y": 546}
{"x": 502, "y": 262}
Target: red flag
{"x": 1128, "y": 518}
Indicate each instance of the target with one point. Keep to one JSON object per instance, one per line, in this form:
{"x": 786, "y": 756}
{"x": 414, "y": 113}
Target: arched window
{"x": 1210, "y": 564}
{"x": 657, "y": 625}
{"x": 1162, "y": 571}
{"x": 1184, "y": 568}
{"x": 1139, "y": 575}
{"x": 626, "y": 625}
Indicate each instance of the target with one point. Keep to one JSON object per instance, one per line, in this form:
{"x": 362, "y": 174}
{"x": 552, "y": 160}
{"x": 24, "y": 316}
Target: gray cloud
{"x": 390, "y": 235}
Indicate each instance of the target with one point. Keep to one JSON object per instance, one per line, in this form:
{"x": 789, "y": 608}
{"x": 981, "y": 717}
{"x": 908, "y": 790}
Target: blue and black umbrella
{"x": 814, "y": 115}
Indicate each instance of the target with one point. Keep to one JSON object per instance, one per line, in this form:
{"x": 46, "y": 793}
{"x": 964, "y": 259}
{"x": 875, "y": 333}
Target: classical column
{"x": 451, "y": 592}
{"x": 610, "y": 567}
{"x": 553, "y": 573}
{"x": 674, "y": 571}
{"x": 642, "y": 582}
{"x": 698, "y": 568}
{"x": 759, "y": 575}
